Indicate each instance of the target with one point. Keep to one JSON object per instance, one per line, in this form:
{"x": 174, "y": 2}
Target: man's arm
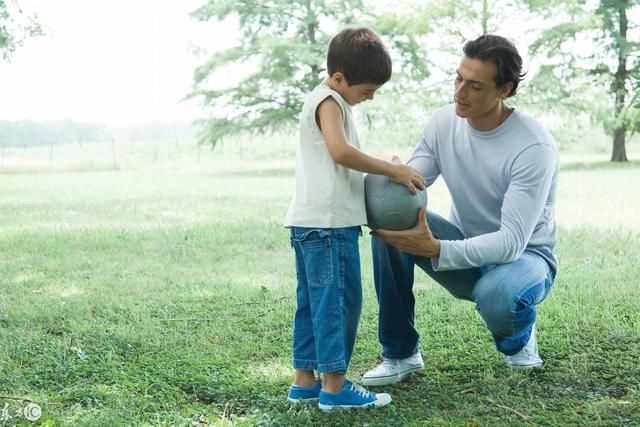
{"x": 331, "y": 125}
{"x": 423, "y": 157}
{"x": 522, "y": 207}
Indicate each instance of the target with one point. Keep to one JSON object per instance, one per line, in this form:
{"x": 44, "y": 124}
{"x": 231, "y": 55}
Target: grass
{"x": 164, "y": 296}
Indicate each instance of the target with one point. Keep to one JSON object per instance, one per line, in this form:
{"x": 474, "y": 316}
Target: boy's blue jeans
{"x": 505, "y": 295}
{"x": 329, "y": 297}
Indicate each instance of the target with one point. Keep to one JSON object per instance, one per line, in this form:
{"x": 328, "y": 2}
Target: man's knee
{"x": 497, "y": 312}
{"x": 502, "y": 306}
{"x": 442, "y": 228}
{"x": 382, "y": 251}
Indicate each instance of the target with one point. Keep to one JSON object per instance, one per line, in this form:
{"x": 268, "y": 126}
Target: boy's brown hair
{"x": 360, "y": 55}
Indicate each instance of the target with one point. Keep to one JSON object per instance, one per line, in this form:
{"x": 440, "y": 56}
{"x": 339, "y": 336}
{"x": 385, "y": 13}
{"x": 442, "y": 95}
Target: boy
{"x": 325, "y": 216}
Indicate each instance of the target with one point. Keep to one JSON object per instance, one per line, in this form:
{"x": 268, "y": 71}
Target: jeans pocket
{"x": 315, "y": 247}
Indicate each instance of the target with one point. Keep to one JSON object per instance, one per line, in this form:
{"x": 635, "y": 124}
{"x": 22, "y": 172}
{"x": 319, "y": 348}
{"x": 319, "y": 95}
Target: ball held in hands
{"x": 390, "y": 205}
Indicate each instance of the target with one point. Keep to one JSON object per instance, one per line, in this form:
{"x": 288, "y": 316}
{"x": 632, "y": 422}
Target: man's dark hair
{"x": 359, "y": 54}
{"x": 501, "y": 52}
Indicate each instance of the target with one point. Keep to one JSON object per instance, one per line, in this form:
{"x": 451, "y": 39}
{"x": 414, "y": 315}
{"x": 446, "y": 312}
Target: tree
{"x": 15, "y": 26}
{"x": 284, "y": 43}
{"x": 426, "y": 40}
{"x": 608, "y": 60}
{"x": 429, "y": 36}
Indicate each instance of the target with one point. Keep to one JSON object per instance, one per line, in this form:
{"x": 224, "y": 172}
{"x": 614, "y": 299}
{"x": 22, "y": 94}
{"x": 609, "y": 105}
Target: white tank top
{"x": 327, "y": 195}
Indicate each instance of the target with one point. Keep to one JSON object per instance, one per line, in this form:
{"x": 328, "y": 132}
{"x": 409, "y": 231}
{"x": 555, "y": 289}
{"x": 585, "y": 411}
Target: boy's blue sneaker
{"x": 299, "y": 394}
{"x": 352, "y": 396}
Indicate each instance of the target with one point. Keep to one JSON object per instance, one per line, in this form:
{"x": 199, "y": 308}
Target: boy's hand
{"x": 406, "y": 175}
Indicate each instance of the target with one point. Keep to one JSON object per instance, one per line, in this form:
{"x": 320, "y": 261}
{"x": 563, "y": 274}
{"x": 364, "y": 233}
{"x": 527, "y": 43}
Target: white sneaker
{"x": 391, "y": 371}
{"x": 528, "y": 357}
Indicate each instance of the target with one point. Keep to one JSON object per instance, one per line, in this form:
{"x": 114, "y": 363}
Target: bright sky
{"x": 115, "y": 61}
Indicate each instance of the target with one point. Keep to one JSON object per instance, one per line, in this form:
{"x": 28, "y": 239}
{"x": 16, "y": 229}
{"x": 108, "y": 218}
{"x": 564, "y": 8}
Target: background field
{"x": 152, "y": 284}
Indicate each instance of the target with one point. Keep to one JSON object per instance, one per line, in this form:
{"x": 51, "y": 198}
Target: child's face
{"x": 358, "y": 93}
{"x": 354, "y": 94}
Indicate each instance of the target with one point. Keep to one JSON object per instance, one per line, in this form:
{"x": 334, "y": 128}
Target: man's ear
{"x": 505, "y": 90}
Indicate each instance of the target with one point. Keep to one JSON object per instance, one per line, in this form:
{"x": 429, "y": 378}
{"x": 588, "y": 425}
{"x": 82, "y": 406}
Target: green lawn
{"x": 165, "y": 297}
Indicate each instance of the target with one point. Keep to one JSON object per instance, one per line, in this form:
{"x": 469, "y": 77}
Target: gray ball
{"x": 391, "y": 205}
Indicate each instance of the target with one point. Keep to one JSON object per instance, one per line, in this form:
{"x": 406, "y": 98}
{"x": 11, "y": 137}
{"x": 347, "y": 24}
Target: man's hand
{"x": 417, "y": 241}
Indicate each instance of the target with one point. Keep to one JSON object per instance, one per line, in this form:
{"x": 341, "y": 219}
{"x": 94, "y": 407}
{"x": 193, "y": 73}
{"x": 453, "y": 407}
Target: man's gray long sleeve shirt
{"x": 502, "y": 184}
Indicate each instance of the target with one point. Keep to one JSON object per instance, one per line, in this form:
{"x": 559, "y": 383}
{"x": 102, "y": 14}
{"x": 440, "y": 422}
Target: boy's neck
{"x": 331, "y": 84}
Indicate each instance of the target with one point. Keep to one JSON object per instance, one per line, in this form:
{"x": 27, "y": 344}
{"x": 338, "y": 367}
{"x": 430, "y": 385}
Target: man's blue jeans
{"x": 505, "y": 295}
{"x": 329, "y": 297}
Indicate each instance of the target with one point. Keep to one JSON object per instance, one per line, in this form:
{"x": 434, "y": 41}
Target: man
{"x": 496, "y": 250}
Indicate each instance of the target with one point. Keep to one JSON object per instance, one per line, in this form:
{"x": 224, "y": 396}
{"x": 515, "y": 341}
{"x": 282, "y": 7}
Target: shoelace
{"x": 358, "y": 389}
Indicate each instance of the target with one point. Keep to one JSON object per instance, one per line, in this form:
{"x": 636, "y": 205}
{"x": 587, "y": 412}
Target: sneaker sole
{"x": 375, "y": 404}
{"x": 328, "y": 408}
{"x": 391, "y": 379}
{"x": 537, "y": 366}
{"x": 302, "y": 401}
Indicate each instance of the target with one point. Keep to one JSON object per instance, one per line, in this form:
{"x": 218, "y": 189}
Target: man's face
{"x": 476, "y": 94}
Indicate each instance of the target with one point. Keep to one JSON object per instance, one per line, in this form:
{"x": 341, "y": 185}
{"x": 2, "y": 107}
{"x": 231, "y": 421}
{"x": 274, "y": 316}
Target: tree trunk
{"x": 619, "y": 153}
{"x": 312, "y": 29}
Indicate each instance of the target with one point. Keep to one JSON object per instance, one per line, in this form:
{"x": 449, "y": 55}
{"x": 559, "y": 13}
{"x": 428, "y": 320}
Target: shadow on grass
{"x": 600, "y": 165}
{"x": 258, "y": 171}
{"x": 89, "y": 167}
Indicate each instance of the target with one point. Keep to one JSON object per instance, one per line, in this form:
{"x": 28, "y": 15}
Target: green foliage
{"x": 635, "y": 100}
{"x": 553, "y": 39}
{"x": 14, "y": 28}
{"x": 404, "y": 37}
{"x": 286, "y": 42}
{"x": 634, "y": 105}
{"x": 426, "y": 40}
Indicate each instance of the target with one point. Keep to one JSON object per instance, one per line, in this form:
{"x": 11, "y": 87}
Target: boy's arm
{"x": 329, "y": 118}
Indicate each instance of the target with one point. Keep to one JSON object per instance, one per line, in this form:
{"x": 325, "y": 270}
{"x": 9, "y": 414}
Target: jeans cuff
{"x": 310, "y": 365}
{"x": 335, "y": 366}
{"x": 384, "y": 353}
